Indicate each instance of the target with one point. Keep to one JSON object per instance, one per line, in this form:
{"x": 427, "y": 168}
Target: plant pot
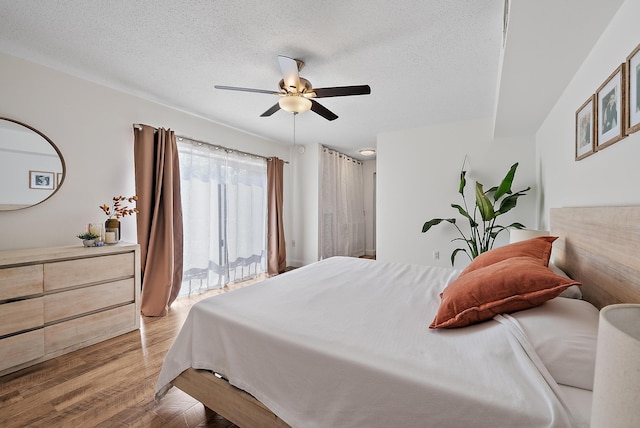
{"x": 112, "y": 231}
{"x": 89, "y": 242}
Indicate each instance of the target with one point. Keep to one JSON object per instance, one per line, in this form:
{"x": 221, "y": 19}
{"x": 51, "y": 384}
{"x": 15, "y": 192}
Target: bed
{"x": 360, "y": 352}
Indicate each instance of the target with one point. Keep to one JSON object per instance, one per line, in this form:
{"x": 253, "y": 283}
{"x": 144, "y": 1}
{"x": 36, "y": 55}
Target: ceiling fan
{"x": 297, "y": 94}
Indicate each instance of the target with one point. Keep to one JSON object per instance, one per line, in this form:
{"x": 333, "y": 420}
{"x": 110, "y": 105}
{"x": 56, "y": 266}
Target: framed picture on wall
{"x": 633, "y": 91}
{"x": 610, "y": 109}
{"x": 585, "y": 129}
{"x": 41, "y": 180}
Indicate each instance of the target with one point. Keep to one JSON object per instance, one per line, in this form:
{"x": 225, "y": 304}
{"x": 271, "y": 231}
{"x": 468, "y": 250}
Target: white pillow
{"x": 572, "y": 292}
{"x": 564, "y": 333}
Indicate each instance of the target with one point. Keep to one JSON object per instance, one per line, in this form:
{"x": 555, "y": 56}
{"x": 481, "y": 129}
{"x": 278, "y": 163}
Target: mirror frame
{"x": 59, "y": 153}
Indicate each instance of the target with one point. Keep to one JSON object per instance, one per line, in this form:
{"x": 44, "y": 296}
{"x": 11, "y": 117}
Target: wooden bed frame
{"x": 226, "y": 400}
{"x": 598, "y": 246}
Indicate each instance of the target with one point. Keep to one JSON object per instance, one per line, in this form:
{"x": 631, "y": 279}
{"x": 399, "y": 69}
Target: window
{"x": 224, "y": 207}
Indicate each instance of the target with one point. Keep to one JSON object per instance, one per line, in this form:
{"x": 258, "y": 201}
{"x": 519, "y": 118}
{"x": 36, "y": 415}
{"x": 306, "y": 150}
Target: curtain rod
{"x": 342, "y": 155}
{"x": 139, "y": 126}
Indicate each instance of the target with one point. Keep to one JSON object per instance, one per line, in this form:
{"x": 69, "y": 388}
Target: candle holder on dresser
{"x": 96, "y": 228}
{"x": 111, "y": 231}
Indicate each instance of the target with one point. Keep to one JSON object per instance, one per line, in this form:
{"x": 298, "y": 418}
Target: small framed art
{"x": 610, "y": 108}
{"x": 41, "y": 180}
{"x": 585, "y": 129}
{"x": 633, "y": 91}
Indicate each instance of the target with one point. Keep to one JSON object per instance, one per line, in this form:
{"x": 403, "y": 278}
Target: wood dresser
{"x": 59, "y": 299}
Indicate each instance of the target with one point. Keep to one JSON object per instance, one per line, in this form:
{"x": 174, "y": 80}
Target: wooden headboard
{"x": 600, "y": 247}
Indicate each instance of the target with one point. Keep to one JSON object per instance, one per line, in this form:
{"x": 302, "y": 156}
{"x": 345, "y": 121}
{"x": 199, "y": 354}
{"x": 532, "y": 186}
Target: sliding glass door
{"x": 224, "y": 207}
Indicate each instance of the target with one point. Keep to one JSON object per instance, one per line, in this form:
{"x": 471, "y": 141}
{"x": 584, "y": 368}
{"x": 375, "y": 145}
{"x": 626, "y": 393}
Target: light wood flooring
{"x": 110, "y": 384}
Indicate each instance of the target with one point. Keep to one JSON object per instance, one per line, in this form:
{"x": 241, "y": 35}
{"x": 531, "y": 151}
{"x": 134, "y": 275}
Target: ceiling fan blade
{"x": 342, "y": 91}
{"x": 322, "y": 110}
{"x": 291, "y": 77}
{"x": 274, "y": 108}
{"x": 235, "y": 88}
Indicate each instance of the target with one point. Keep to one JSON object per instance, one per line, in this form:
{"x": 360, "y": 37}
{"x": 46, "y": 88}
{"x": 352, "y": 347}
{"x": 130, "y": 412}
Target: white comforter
{"x": 345, "y": 343}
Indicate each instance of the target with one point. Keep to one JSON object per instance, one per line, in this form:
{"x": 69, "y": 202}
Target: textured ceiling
{"x": 427, "y": 61}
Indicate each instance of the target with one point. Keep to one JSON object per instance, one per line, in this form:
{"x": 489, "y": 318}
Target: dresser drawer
{"x": 79, "y": 301}
{"x": 21, "y": 315}
{"x": 71, "y": 273}
{"x": 20, "y": 281}
{"x": 59, "y": 299}
{"x": 22, "y": 348}
{"x": 80, "y": 332}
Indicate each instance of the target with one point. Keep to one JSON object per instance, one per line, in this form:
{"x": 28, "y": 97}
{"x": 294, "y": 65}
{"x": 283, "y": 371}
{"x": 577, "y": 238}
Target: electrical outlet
{"x": 436, "y": 255}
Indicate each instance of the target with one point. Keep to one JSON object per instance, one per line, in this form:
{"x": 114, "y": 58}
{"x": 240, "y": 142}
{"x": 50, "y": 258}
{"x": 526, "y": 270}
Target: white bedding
{"x": 345, "y": 343}
{"x": 579, "y": 402}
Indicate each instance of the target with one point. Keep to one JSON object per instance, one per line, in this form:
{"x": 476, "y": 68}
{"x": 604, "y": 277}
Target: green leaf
{"x": 510, "y": 201}
{"x": 464, "y": 213}
{"x": 461, "y": 211}
{"x": 455, "y": 252}
{"x": 515, "y": 225}
{"x": 497, "y": 229}
{"x": 484, "y": 204}
{"x": 491, "y": 191}
{"x": 436, "y": 221}
{"x": 463, "y": 182}
{"x": 507, "y": 204}
{"x": 474, "y": 248}
{"x": 505, "y": 186}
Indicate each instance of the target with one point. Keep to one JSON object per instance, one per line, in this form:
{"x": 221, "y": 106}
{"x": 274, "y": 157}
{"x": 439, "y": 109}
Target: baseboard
{"x": 295, "y": 263}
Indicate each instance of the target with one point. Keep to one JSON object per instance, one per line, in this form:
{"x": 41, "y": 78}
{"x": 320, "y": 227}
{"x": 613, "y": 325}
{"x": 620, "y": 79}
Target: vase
{"x": 89, "y": 242}
{"x": 112, "y": 231}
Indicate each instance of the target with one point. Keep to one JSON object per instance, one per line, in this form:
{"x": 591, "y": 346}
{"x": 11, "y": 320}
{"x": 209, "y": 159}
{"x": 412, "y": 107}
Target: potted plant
{"x": 489, "y": 205}
{"x": 88, "y": 238}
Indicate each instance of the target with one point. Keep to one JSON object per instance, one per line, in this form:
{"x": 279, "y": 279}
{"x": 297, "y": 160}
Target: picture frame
{"x": 633, "y": 91}
{"x": 610, "y": 109}
{"x": 586, "y": 129}
{"x": 41, "y": 180}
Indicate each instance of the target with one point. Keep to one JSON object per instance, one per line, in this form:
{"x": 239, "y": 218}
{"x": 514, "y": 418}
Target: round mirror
{"x": 31, "y": 166}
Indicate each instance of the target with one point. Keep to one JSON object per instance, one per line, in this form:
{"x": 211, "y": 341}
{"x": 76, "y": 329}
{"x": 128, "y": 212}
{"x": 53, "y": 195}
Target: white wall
{"x": 305, "y": 187}
{"x": 608, "y": 177}
{"x": 92, "y": 127}
{"x": 418, "y": 176}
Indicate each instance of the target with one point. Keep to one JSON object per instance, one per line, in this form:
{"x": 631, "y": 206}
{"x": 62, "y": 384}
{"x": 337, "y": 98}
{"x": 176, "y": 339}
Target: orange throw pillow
{"x": 506, "y": 286}
{"x": 537, "y": 248}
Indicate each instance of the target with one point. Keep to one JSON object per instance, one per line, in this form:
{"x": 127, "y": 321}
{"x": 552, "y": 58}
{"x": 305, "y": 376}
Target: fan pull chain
{"x": 294, "y": 129}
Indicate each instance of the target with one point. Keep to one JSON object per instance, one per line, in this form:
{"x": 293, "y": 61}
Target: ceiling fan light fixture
{"x": 294, "y": 103}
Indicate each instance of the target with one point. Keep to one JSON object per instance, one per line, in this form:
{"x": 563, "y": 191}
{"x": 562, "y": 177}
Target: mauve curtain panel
{"x": 276, "y": 250}
{"x": 159, "y": 222}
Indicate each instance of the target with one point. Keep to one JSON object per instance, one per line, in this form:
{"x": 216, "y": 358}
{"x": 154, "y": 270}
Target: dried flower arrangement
{"x": 117, "y": 209}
